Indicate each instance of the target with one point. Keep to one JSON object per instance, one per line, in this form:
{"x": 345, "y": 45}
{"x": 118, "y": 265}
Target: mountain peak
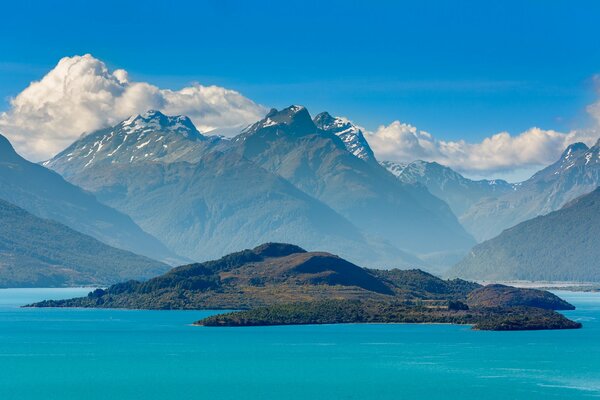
{"x": 295, "y": 120}
{"x": 156, "y": 120}
{"x": 152, "y": 114}
{"x": 350, "y": 134}
{"x": 150, "y": 136}
{"x": 324, "y": 118}
{"x": 573, "y": 149}
{"x": 277, "y": 249}
{"x": 290, "y": 115}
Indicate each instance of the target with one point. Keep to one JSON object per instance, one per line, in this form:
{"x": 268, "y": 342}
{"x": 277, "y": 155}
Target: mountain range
{"x": 43, "y": 253}
{"x": 284, "y": 178}
{"x": 459, "y": 192}
{"x": 559, "y": 246}
{"x": 317, "y": 161}
{"x": 156, "y": 186}
{"x": 486, "y": 207}
{"x": 577, "y": 172}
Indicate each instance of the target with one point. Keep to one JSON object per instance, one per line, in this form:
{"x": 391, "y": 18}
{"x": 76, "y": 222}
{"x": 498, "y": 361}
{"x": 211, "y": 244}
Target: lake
{"x": 120, "y": 354}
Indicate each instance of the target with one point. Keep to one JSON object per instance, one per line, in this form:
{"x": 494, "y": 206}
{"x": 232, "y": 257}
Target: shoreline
{"x": 549, "y": 285}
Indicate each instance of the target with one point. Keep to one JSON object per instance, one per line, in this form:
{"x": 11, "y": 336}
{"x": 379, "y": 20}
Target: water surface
{"x": 118, "y": 354}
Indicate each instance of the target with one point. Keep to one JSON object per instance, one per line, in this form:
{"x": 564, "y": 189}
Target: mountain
{"x": 36, "y": 252}
{"x": 317, "y": 161}
{"x": 282, "y": 284}
{"x": 151, "y": 136}
{"x": 458, "y": 192}
{"x": 204, "y": 201}
{"x": 46, "y": 194}
{"x": 577, "y": 172}
{"x": 559, "y": 246}
{"x": 351, "y": 135}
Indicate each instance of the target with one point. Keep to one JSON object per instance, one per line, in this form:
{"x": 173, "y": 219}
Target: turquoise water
{"x": 117, "y": 354}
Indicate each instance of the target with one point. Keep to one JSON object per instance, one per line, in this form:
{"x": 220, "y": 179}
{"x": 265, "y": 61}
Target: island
{"x": 353, "y": 311}
{"x": 282, "y": 284}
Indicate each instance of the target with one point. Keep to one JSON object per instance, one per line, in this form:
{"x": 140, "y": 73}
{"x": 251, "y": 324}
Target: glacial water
{"x": 118, "y": 354}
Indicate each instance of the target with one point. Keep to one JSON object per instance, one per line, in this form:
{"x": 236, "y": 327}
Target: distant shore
{"x": 550, "y": 285}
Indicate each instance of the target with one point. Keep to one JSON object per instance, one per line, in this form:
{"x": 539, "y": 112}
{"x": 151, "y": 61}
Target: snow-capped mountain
{"x": 350, "y": 134}
{"x": 289, "y": 143}
{"x": 577, "y": 161}
{"x": 204, "y": 199}
{"x": 151, "y": 136}
{"x": 577, "y": 172}
{"x": 456, "y": 190}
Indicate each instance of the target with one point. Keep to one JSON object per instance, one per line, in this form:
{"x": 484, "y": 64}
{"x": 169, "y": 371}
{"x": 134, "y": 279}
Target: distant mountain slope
{"x": 577, "y": 172}
{"x": 317, "y": 161}
{"x": 204, "y": 204}
{"x": 37, "y": 252}
{"x": 46, "y": 194}
{"x": 560, "y": 246}
{"x": 459, "y": 192}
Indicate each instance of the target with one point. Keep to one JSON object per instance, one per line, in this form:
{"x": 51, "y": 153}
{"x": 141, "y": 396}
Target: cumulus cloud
{"x": 81, "y": 95}
{"x": 498, "y": 154}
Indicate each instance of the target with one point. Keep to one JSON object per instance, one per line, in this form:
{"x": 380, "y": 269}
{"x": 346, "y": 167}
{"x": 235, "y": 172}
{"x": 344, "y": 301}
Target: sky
{"x": 461, "y": 72}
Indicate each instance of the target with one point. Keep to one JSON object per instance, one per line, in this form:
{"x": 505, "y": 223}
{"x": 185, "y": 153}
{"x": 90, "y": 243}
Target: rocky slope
{"x": 350, "y": 134}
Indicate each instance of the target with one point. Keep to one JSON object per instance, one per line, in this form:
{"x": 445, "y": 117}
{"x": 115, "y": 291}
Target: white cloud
{"x": 81, "y": 95}
{"x": 496, "y": 155}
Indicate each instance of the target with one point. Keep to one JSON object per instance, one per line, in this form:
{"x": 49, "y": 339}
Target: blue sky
{"x": 461, "y": 70}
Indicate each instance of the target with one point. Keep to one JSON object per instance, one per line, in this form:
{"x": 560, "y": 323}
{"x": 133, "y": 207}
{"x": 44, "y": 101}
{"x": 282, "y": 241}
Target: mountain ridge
{"x": 205, "y": 202}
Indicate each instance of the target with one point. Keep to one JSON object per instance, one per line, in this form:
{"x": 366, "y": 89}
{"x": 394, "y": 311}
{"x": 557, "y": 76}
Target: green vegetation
{"x": 36, "y": 252}
{"x": 339, "y": 312}
{"x": 560, "y": 246}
